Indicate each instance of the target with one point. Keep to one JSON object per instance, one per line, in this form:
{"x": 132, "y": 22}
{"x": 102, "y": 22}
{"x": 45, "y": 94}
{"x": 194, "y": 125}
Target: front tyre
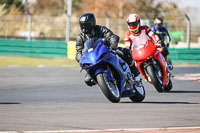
{"x": 109, "y": 88}
{"x": 169, "y": 86}
{"x": 155, "y": 79}
{"x": 139, "y": 93}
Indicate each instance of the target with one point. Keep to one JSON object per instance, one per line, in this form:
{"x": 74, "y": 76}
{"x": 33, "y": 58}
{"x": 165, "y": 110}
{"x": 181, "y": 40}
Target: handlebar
{"x": 165, "y": 35}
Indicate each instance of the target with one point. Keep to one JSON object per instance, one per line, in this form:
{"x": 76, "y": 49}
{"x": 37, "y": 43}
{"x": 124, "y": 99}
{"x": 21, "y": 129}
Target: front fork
{"x": 143, "y": 65}
{"x": 157, "y": 68}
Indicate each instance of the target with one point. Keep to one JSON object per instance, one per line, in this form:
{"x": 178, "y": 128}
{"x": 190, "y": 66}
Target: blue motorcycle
{"x": 110, "y": 72}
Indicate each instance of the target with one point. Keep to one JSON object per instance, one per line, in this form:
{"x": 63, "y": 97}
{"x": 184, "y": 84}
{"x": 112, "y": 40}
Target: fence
{"x": 59, "y": 49}
{"x": 54, "y": 27}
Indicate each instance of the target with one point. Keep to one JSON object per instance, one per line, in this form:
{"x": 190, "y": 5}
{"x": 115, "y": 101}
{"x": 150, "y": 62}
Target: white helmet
{"x": 133, "y": 22}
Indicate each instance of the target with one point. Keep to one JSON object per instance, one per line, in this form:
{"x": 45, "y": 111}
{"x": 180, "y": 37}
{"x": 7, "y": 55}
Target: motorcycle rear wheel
{"x": 155, "y": 78}
{"x": 109, "y": 88}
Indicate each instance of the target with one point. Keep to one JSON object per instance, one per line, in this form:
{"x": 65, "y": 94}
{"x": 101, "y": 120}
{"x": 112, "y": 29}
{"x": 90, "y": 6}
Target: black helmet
{"x": 87, "y": 22}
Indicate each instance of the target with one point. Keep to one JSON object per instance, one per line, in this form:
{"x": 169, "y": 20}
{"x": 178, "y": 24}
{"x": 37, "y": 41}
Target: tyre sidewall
{"x": 105, "y": 89}
{"x": 154, "y": 79}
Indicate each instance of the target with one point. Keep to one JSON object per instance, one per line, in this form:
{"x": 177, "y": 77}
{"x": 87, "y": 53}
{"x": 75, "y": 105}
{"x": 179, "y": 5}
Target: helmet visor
{"x": 133, "y": 24}
{"x": 85, "y": 26}
{"x": 160, "y": 25}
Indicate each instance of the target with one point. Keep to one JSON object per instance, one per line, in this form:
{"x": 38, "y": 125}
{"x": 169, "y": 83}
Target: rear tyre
{"x": 109, "y": 88}
{"x": 155, "y": 79}
{"x": 169, "y": 86}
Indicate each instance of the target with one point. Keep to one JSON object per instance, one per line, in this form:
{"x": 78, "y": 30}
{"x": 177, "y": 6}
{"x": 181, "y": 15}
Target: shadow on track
{"x": 153, "y": 102}
{"x": 183, "y": 92}
{"x": 9, "y": 103}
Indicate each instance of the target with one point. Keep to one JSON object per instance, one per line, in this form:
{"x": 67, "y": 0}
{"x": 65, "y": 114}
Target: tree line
{"x": 148, "y": 9}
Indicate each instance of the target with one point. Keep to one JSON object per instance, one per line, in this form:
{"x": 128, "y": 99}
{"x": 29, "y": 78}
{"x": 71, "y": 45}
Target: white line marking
{"x": 191, "y": 76}
{"x": 112, "y": 130}
{"x": 41, "y": 66}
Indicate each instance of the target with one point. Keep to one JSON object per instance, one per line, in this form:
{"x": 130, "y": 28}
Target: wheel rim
{"x": 140, "y": 89}
{"x": 111, "y": 85}
{"x": 158, "y": 72}
{"x": 159, "y": 76}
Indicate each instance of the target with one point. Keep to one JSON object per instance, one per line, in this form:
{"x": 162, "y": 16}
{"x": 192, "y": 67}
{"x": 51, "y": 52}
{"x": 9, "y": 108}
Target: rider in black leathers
{"x": 89, "y": 29}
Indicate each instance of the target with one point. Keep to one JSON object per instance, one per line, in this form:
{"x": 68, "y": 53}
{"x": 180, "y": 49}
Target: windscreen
{"x": 90, "y": 44}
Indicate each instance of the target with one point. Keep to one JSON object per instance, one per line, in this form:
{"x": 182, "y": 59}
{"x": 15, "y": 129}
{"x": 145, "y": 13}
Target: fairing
{"x": 144, "y": 51}
{"x": 102, "y": 56}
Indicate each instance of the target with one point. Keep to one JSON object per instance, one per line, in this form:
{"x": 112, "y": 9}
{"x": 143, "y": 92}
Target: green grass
{"x": 23, "y": 61}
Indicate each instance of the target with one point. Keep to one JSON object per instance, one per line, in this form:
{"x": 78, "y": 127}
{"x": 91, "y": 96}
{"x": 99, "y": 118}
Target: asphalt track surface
{"x": 56, "y": 99}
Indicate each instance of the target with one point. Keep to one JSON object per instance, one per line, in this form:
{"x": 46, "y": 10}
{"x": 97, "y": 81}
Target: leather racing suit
{"x": 136, "y": 40}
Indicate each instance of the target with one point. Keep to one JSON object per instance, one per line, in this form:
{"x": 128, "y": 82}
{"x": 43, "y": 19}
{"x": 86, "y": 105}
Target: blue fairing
{"x": 93, "y": 57}
{"x": 95, "y": 53}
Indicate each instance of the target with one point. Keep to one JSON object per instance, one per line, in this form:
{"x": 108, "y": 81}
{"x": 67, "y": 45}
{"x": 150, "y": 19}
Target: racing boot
{"x": 134, "y": 69}
{"x": 135, "y": 73}
{"x": 170, "y": 67}
{"x": 165, "y": 54}
{"x": 89, "y": 81}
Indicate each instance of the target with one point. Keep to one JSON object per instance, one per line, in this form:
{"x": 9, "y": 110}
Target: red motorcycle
{"x": 152, "y": 65}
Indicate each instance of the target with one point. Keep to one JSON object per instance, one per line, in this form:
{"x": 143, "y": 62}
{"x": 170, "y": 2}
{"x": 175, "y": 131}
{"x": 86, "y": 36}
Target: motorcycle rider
{"x": 162, "y": 32}
{"x": 89, "y": 29}
{"x": 159, "y": 27}
{"x": 137, "y": 34}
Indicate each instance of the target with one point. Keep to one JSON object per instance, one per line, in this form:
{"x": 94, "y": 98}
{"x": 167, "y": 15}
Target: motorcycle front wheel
{"x": 109, "y": 88}
{"x": 155, "y": 79}
{"x": 169, "y": 86}
{"x": 139, "y": 94}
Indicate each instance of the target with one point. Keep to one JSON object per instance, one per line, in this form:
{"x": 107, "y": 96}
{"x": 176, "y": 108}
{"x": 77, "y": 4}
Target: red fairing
{"x": 140, "y": 68}
{"x": 159, "y": 57}
{"x": 144, "y": 52}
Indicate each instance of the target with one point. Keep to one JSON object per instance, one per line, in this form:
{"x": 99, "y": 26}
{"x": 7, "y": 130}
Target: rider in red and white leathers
{"x": 138, "y": 35}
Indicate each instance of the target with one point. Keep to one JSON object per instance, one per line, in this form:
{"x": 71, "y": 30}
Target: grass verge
{"x": 26, "y": 61}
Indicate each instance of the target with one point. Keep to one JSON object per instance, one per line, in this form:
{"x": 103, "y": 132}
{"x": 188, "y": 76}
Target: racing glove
{"x": 158, "y": 44}
{"x": 114, "y": 42}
